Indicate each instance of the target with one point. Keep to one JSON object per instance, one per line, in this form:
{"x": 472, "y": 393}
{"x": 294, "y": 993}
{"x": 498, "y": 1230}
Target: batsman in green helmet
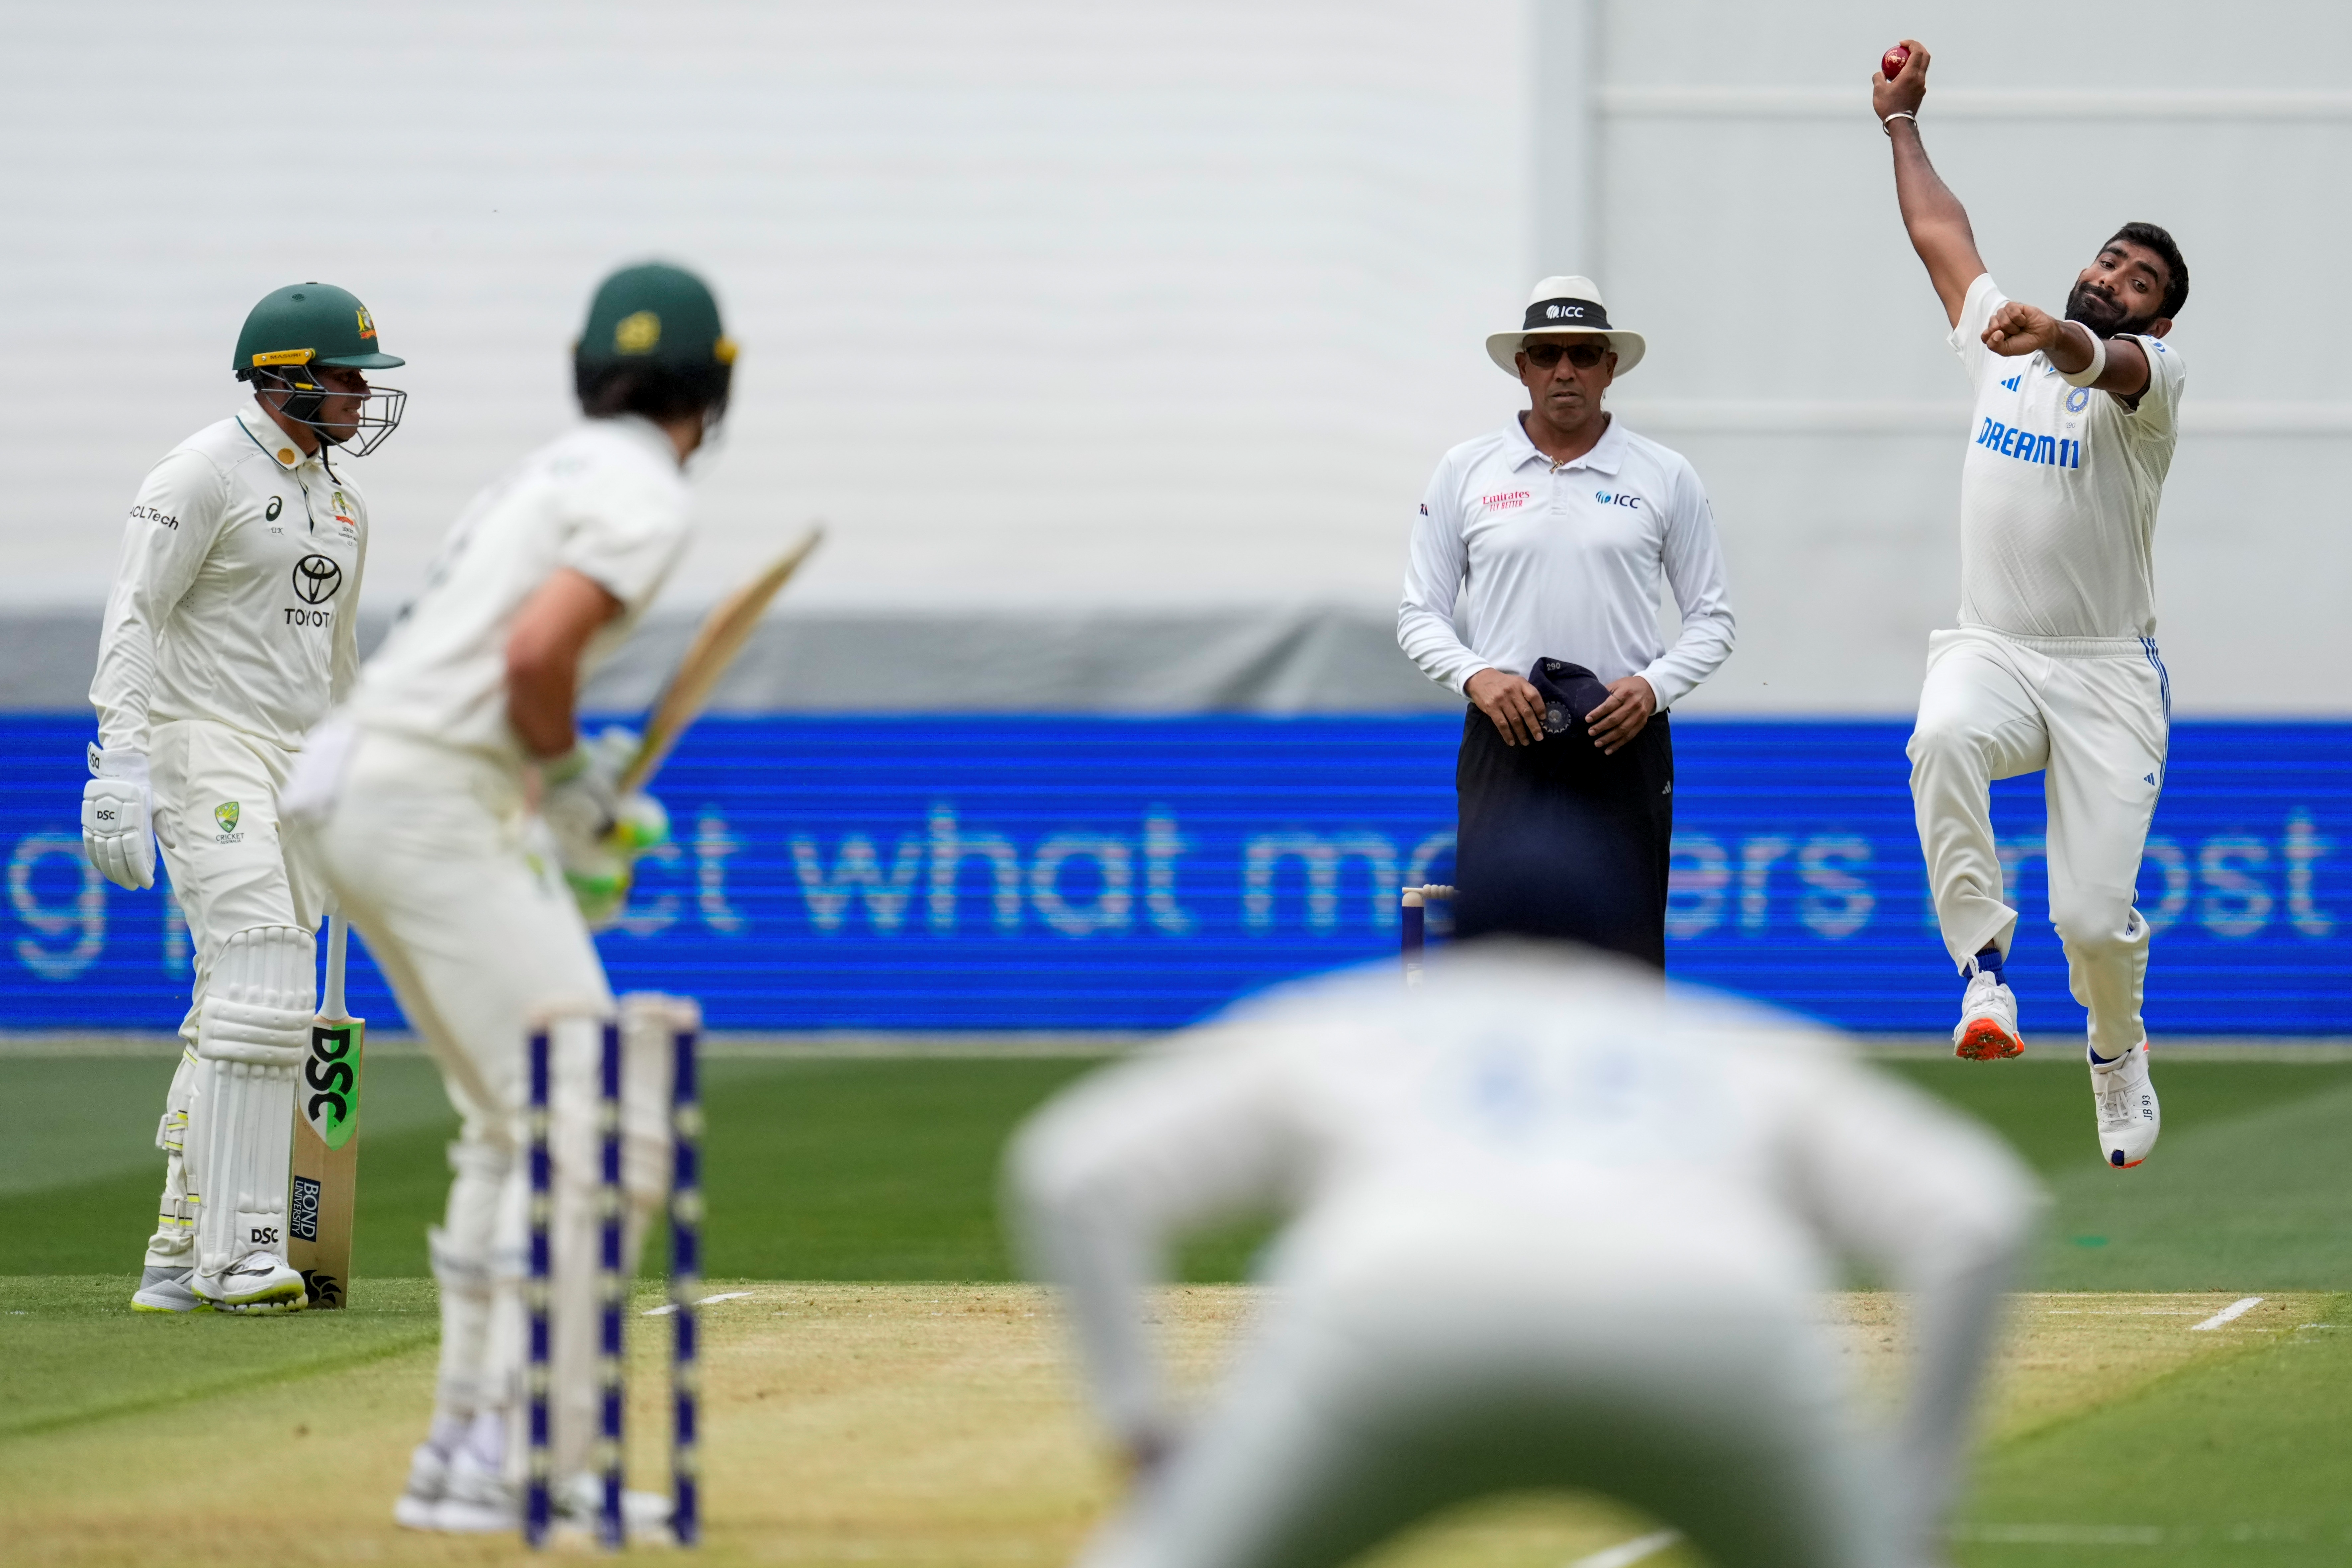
{"x": 475, "y": 838}
{"x": 230, "y": 631}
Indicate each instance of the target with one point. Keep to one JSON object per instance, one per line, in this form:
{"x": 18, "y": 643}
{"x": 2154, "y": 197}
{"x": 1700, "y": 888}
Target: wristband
{"x": 118, "y": 763}
{"x": 1887, "y": 124}
{"x": 563, "y": 767}
{"x": 2097, "y": 368}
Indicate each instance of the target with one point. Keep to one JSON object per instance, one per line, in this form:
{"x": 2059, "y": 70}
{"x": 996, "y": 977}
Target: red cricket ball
{"x": 1891, "y": 66}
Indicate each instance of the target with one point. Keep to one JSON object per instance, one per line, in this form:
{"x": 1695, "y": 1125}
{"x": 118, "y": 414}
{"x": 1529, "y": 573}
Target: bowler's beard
{"x": 2103, "y": 315}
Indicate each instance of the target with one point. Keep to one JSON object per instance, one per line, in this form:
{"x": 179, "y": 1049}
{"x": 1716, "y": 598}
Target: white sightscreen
{"x": 1079, "y": 306}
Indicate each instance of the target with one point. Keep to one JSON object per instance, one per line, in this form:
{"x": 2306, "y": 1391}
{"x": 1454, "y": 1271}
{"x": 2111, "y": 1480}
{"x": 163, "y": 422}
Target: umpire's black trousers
{"x": 1628, "y": 796}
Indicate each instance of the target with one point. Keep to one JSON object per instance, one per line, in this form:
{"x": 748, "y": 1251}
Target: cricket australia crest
{"x": 225, "y": 814}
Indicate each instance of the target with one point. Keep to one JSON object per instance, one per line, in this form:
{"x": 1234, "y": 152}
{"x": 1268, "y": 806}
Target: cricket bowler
{"x": 472, "y": 836}
{"x": 231, "y": 626}
{"x": 2054, "y": 666}
{"x": 1548, "y": 1224}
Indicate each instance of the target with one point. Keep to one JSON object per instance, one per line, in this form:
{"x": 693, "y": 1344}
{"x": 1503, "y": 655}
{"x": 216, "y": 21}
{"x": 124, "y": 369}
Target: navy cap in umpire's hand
{"x": 1569, "y": 692}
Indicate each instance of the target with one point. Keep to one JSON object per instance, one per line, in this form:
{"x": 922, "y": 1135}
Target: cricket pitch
{"x": 856, "y": 1424}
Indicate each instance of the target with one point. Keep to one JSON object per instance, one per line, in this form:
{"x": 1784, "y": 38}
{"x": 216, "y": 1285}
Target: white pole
{"x": 1565, "y": 98}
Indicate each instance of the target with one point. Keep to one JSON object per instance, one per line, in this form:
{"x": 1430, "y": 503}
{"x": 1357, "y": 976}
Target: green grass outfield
{"x": 883, "y": 1169}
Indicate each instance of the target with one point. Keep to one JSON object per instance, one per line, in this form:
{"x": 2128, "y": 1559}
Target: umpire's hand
{"x": 1512, "y": 702}
{"x": 1625, "y": 715}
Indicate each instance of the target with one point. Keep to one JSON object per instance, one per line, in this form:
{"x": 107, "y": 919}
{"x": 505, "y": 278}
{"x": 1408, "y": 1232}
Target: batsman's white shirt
{"x": 412, "y": 803}
{"x": 1529, "y": 1125}
{"x": 2060, "y": 488}
{"x": 1563, "y": 560}
{"x": 234, "y": 600}
{"x": 607, "y": 500}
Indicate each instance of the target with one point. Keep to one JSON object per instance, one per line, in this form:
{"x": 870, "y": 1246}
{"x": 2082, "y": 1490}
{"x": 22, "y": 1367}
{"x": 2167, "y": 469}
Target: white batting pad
{"x": 251, "y": 1034}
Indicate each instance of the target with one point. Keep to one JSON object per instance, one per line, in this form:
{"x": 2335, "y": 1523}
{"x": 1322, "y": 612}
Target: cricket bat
{"x": 327, "y": 1140}
{"x": 715, "y": 642}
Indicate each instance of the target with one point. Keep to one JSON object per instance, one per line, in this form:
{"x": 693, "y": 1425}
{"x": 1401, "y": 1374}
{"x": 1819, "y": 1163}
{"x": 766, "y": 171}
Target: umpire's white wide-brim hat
{"x": 1561, "y": 306}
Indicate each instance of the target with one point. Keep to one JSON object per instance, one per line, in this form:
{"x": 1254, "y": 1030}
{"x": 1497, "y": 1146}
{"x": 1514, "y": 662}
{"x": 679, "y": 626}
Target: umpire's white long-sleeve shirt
{"x": 1563, "y": 560}
{"x": 1660, "y": 1133}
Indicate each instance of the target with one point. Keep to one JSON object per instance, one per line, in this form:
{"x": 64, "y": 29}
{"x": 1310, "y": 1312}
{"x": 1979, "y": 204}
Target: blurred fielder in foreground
{"x": 467, "y": 829}
{"x": 1548, "y": 1226}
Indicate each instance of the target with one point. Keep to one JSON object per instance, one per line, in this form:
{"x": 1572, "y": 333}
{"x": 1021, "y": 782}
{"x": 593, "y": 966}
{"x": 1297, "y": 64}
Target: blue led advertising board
{"x": 1080, "y": 873}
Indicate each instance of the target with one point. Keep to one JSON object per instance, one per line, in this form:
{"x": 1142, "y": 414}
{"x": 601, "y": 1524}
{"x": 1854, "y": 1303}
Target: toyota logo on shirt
{"x": 316, "y": 578}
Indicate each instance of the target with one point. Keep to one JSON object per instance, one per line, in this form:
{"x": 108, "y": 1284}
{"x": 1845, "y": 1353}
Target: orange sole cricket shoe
{"x": 1987, "y": 1031}
{"x": 1986, "y": 1040}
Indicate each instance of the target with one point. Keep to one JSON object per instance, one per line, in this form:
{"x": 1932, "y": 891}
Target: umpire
{"x": 1551, "y": 534}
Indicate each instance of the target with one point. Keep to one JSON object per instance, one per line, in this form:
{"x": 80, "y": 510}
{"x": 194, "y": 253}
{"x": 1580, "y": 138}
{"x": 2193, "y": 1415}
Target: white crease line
{"x": 1627, "y": 1552}
{"x": 2062, "y": 1534}
{"x": 666, "y": 1308}
{"x": 2234, "y": 1311}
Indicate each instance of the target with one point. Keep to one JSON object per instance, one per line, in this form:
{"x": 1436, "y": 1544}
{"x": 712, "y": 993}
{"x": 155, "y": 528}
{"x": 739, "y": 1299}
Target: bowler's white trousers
{"x": 2092, "y": 713}
{"x": 430, "y": 850}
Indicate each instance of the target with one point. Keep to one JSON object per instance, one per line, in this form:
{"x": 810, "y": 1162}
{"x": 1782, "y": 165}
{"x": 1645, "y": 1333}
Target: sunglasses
{"x": 1583, "y": 356}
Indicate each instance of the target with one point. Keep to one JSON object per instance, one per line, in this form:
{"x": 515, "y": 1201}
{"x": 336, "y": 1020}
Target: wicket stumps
{"x": 682, "y": 1024}
{"x": 1415, "y": 912}
{"x": 685, "y": 1277}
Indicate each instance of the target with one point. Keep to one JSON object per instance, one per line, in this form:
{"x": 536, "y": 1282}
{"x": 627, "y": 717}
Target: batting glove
{"x": 118, "y": 818}
{"x": 599, "y": 833}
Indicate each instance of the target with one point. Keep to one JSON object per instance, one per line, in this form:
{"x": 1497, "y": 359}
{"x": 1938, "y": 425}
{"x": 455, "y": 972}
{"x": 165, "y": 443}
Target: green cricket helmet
{"x": 654, "y": 345}
{"x": 308, "y": 325}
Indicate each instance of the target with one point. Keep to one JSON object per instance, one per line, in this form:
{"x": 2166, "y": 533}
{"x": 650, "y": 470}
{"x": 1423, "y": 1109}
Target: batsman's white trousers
{"x": 1440, "y": 1365}
{"x": 217, "y": 821}
{"x": 429, "y": 850}
{"x": 2090, "y": 713}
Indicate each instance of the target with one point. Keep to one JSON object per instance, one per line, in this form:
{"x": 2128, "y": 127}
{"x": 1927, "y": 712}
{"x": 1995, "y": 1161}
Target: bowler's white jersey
{"x": 608, "y": 501}
{"x": 235, "y": 597}
{"x": 2059, "y": 491}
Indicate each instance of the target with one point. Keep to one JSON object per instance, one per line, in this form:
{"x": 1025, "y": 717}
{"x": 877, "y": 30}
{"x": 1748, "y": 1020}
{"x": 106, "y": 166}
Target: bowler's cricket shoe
{"x": 258, "y": 1282}
{"x": 1987, "y": 1031}
{"x": 165, "y": 1289}
{"x": 2128, "y": 1118}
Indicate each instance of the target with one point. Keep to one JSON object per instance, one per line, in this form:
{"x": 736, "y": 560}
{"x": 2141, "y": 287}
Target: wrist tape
{"x": 2097, "y": 368}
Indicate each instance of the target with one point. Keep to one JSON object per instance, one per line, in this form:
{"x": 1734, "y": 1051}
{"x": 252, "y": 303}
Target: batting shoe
{"x": 579, "y": 1503}
{"x": 2126, "y": 1098}
{"x": 258, "y": 1282}
{"x": 475, "y": 1499}
{"x": 165, "y": 1289}
{"x": 428, "y": 1482}
{"x": 1987, "y": 1031}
